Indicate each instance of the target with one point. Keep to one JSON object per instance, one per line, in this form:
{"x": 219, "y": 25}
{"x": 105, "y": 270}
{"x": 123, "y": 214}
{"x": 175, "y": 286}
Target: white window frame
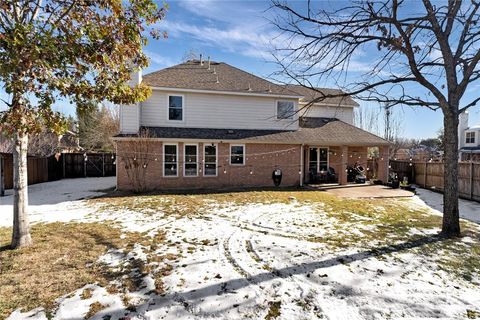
{"x": 216, "y": 160}
{"x": 185, "y": 145}
{"x": 176, "y": 157}
{"x": 276, "y": 110}
{"x": 474, "y": 137}
{"x": 183, "y": 107}
{"x": 244, "y": 155}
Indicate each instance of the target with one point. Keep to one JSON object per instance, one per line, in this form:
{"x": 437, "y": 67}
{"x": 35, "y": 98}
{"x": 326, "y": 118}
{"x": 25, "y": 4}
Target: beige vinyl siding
{"x": 216, "y": 111}
{"x": 344, "y": 114}
{"x": 129, "y": 118}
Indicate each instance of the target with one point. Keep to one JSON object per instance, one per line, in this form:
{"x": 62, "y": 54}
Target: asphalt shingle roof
{"x": 310, "y": 94}
{"x": 318, "y": 131}
{"x": 193, "y": 75}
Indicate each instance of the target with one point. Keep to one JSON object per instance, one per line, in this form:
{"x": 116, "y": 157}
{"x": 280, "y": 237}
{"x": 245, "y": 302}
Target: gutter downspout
{"x": 301, "y": 166}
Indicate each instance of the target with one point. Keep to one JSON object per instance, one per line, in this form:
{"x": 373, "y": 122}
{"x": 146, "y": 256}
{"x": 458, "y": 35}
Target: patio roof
{"x": 312, "y": 131}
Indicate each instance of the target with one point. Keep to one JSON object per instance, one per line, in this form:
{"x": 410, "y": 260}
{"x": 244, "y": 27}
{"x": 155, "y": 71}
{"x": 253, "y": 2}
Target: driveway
{"x": 469, "y": 210}
{"x": 50, "y": 201}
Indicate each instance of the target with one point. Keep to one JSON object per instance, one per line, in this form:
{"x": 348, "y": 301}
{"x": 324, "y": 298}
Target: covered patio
{"x": 334, "y": 147}
{"x": 334, "y": 164}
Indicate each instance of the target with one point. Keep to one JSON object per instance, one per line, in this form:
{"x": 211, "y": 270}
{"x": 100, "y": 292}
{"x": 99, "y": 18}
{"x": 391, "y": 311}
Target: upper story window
{"x": 175, "y": 108}
{"x": 237, "y": 154}
{"x": 285, "y": 109}
{"x": 470, "y": 137}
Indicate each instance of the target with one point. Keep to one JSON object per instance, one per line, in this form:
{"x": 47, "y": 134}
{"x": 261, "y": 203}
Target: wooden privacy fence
{"x": 37, "y": 170}
{"x": 404, "y": 169}
{"x": 429, "y": 175}
{"x": 68, "y": 165}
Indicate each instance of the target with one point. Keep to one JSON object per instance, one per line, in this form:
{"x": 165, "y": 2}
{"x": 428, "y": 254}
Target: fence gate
{"x": 403, "y": 169}
{"x": 88, "y": 165}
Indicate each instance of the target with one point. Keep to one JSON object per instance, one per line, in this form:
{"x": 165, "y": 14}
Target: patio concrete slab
{"x": 366, "y": 191}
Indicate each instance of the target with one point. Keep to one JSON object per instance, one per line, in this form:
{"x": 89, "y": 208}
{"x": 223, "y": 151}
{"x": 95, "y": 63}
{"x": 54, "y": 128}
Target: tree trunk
{"x": 451, "y": 223}
{"x": 21, "y": 227}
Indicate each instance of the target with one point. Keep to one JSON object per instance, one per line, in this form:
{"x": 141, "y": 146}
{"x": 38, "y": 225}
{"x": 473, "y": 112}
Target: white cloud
{"x": 158, "y": 59}
{"x": 243, "y": 39}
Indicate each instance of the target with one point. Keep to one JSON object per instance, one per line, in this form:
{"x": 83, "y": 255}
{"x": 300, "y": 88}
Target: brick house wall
{"x": 260, "y": 161}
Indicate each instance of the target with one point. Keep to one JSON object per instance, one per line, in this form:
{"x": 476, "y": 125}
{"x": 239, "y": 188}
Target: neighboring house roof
{"x": 44, "y": 144}
{"x": 196, "y": 76}
{"x": 470, "y": 149}
{"x": 309, "y": 94}
{"x": 319, "y": 131}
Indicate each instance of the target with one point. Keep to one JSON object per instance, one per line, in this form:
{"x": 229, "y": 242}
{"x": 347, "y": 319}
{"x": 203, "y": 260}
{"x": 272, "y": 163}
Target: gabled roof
{"x": 194, "y": 75}
{"x": 310, "y": 94}
{"x": 313, "y": 131}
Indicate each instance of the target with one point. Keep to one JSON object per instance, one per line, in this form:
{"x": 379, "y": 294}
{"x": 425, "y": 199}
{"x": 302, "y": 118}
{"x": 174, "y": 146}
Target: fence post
{"x": 471, "y": 180}
{"x": 85, "y": 165}
{"x": 425, "y": 175}
{"x": 2, "y": 179}
{"x": 63, "y": 165}
{"x": 103, "y": 164}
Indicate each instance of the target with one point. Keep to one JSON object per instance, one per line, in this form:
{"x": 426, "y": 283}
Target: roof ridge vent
{"x": 217, "y": 79}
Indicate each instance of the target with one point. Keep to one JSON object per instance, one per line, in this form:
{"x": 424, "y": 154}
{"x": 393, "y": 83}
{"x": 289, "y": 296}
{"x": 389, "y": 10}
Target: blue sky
{"x": 239, "y": 33}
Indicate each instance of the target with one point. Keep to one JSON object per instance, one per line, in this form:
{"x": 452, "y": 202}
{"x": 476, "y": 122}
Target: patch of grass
{"x": 95, "y": 308}
{"x": 63, "y": 258}
{"x": 273, "y": 310}
{"x": 86, "y": 294}
{"x": 472, "y": 314}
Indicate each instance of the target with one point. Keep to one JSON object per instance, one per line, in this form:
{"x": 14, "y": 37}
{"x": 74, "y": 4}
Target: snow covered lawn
{"x": 265, "y": 255}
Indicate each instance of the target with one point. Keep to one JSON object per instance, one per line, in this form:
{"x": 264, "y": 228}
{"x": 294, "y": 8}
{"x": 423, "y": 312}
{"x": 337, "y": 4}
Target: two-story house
{"x": 469, "y": 139}
{"x": 213, "y": 125}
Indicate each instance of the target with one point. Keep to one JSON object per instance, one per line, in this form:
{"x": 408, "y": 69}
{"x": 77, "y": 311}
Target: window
{"x": 170, "y": 160}
{"x": 313, "y": 160}
{"x": 191, "y": 160}
{"x": 318, "y": 159}
{"x": 470, "y": 137}
{"x": 210, "y": 158}
{"x": 285, "y": 109}
{"x": 237, "y": 154}
{"x": 175, "y": 108}
{"x": 323, "y": 159}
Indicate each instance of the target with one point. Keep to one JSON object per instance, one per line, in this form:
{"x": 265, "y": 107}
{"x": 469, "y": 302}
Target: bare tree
{"x": 190, "y": 55}
{"x": 135, "y": 155}
{"x": 368, "y": 118}
{"x": 426, "y": 57}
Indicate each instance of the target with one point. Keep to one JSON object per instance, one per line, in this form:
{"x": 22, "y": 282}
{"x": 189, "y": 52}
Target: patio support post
{"x": 343, "y": 170}
{"x": 383, "y": 165}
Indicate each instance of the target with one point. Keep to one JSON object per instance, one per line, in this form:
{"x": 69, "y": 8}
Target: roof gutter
{"x": 312, "y": 143}
{"x": 232, "y": 93}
